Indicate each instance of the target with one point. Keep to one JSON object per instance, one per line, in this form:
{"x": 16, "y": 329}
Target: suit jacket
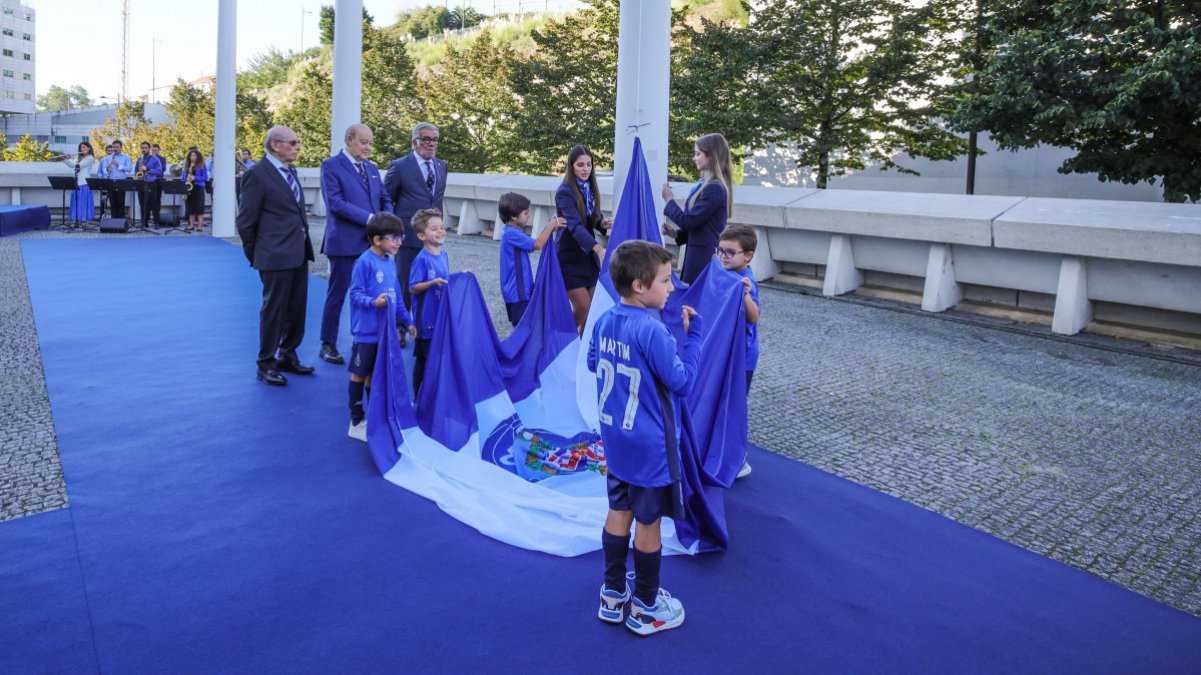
{"x": 701, "y": 226}
{"x": 349, "y": 204}
{"x": 406, "y": 189}
{"x": 271, "y": 222}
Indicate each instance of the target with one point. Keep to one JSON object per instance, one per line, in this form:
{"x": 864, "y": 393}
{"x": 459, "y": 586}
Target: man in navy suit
{"x": 414, "y": 182}
{"x": 275, "y": 238}
{"x": 353, "y": 194}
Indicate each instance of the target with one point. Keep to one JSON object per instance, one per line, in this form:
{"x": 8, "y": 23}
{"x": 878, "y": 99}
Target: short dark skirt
{"x": 580, "y": 268}
{"x": 194, "y": 206}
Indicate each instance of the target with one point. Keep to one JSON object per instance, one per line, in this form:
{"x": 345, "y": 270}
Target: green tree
{"x": 848, "y": 83}
{"x": 391, "y": 104}
{"x": 193, "y": 109}
{"x": 308, "y": 112}
{"x": 130, "y": 126}
{"x": 29, "y": 150}
{"x": 266, "y": 69}
{"x": 568, "y": 87}
{"x": 470, "y": 97}
{"x": 325, "y": 23}
{"x": 57, "y": 98}
{"x": 1118, "y": 82}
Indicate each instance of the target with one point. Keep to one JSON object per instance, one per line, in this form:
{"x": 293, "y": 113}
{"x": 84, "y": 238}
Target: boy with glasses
{"x": 735, "y": 249}
{"x": 373, "y": 286}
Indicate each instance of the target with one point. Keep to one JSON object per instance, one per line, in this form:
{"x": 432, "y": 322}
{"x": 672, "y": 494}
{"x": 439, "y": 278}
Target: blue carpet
{"x": 217, "y": 524}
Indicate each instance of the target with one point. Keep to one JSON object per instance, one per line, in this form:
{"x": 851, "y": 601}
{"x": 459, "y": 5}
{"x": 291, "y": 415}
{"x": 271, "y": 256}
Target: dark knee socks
{"x": 355, "y": 394}
{"x": 616, "y": 549}
{"x": 646, "y": 575}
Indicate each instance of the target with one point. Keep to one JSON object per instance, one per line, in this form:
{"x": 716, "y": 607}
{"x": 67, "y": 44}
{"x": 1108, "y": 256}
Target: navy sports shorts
{"x": 362, "y": 358}
{"x": 648, "y": 503}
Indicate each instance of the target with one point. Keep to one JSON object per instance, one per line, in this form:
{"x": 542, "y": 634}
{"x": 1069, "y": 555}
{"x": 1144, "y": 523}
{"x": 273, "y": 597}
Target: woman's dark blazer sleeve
{"x": 566, "y": 206}
{"x": 709, "y": 205}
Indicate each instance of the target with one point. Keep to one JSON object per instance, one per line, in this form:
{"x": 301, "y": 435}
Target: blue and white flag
{"x": 504, "y": 433}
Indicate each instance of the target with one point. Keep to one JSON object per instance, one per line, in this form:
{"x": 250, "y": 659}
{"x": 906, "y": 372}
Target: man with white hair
{"x": 353, "y": 194}
{"x": 416, "y": 181}
{"x": 275, "y": 238}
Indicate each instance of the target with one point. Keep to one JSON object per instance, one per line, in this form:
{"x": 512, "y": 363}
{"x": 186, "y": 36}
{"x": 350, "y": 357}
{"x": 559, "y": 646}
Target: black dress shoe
{"x": 329, "y": 354}
{"x": 293, "y": 365}
{"x": 271, "y": 376}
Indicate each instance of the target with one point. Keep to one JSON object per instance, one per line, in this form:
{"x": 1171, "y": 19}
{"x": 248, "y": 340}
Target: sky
{"x": 79, "y": 41}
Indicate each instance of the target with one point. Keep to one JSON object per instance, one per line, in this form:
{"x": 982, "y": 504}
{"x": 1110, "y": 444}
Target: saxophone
{"x": 141, "y": 169}
{"x": 191, "y": 178}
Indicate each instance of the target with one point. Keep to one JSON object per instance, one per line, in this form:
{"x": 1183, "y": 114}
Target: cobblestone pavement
{"x": 1086, "y": 455}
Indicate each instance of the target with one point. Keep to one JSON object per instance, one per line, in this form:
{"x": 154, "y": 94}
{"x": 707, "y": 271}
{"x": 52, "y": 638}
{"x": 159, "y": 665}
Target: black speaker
{"x": 114, "y": 225}
{"x": 168, "y": 218}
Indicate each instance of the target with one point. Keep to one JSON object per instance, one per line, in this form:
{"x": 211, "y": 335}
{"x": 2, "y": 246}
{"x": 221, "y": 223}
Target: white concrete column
{"x": 1073, "y": 309}
{"x": 469, "y": 219}
{"x": 643, "y": 80}
{"x": 942, "y": 292}
{"x": 841, "y": 274}
{"x": 538, "y": 217}
{"x": 763, "y": 266}
{"x": 348, "y": 70}
{"x": 224, "y": 152}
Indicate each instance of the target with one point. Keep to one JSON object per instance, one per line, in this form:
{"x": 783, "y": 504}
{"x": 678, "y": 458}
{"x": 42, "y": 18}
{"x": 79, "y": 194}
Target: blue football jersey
{"x": 639, "y": 376}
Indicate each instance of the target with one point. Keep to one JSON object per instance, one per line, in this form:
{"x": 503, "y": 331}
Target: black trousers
{"x": 116, "y": 202}
{"x": 150, "y": 197}
{"x": 281, "y": 318}
{"x": 404, "y": 262}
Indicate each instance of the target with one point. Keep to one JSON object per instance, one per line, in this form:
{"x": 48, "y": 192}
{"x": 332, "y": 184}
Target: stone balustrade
{"x": 1137, "y": 263}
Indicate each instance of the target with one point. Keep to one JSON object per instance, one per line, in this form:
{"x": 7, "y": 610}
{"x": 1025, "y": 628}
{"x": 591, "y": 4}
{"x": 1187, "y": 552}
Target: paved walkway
{"x": 1072, "y": 449}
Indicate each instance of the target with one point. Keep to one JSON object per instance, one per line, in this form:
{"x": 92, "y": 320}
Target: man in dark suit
{"x": 414, "y": 182}
{"x": 353, "y": 194}
{"x": 275, "y": 238}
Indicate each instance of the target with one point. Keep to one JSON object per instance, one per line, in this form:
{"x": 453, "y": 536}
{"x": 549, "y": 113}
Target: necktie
{"x": 429, "y": 176}
{"x": 363, "y": 175}
{"x": 291, "y": 183}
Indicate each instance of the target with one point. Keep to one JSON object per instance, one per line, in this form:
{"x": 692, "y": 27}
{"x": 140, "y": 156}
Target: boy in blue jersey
{"x": 735, "y": 248}
{"x": 516, "y": 275}
{"x": 427, "y": 285}
{"x": 639, "y": 378}
{"x": 373, "y": 286}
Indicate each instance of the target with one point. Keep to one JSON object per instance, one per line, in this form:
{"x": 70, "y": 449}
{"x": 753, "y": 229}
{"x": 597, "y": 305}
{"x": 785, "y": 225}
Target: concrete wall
{"x": 1076, "y": 260}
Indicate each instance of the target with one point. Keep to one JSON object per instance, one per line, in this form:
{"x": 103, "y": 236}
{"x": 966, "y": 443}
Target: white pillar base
{"x": 1073, "y": 309}
{"x": 538, "y": 218}
{"x": 469, "y": 219}
{"x": 16, "y": 197}
{"x": 841, "y": 274}
{"x": 942, "y": 292}
{"x": 763, "y": 266}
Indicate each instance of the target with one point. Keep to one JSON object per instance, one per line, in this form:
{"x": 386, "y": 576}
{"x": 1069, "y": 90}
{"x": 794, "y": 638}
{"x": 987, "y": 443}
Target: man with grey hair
{"x": 416, "y": 181}
{"x": 353, "y": 194}
{"x": 275, "y": 238}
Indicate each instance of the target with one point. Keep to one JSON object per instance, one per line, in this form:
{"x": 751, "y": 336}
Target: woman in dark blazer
{"x": 577, "y": 201}
{"x": 700, "y": 222}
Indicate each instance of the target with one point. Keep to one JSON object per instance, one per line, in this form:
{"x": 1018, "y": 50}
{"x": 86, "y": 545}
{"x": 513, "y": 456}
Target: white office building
{"x": 64, "y": 129}
{"x": 17, "y": 42}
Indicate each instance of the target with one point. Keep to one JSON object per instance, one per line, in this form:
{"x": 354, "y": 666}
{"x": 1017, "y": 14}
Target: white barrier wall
{"x": 1133, "y": 262}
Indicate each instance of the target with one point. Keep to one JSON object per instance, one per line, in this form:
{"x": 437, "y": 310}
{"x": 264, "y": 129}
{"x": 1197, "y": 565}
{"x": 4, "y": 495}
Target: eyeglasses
{"x": 292, "y": 143}
{"x": 393, "y": 237}
{"x": 428, "y": 139}
{"x": 728, "y": 252}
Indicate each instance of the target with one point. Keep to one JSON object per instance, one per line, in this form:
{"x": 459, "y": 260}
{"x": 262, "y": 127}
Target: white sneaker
{"x": 358, "y": 431}
{"x": 667, "y": 613}
{"x": 745, "y": 470}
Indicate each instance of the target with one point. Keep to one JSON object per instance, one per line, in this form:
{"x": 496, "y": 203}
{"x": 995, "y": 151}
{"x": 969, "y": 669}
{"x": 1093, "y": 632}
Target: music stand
{"x": 101, "y": 186}
{"x": 175, "y": 188}
{"x": 132, "y": 213}
{"x": 66, "y": 184}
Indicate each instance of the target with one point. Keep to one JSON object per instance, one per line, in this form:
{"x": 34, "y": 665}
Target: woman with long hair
{"x": 577, "y": 201}
{"x": 700, "y": 222}
{"x": 195, "y": 173}
{"x": 83, "y": 205}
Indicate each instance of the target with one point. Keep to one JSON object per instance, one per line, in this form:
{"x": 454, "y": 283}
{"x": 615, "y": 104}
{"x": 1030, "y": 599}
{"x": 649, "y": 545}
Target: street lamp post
{"x": 302, "y": 13}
